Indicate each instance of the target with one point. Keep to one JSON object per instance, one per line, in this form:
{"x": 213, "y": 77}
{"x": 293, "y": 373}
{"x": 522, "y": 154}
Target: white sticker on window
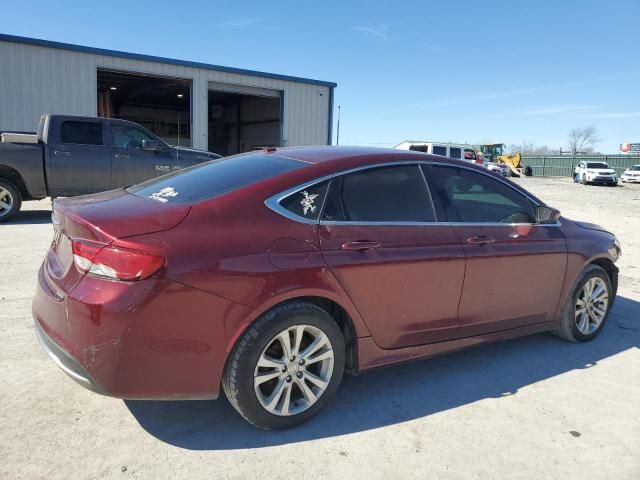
{"x": 164, "y": 194}
{"x": 307, "y": 202}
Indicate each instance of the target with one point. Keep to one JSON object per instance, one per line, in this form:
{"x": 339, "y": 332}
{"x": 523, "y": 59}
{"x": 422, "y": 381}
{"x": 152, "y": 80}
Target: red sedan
{"x": 271, "y": 273}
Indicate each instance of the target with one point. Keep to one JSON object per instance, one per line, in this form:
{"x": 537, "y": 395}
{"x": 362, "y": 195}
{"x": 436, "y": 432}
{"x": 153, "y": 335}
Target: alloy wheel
{"x": 591, "y": 305}
{"x": 6, "y": 201}
{"x": 294, "y": 370}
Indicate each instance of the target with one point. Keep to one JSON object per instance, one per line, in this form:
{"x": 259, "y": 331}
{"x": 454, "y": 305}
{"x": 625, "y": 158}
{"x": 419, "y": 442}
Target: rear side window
{"x": 468, "y": 196}
{"x": 215, "y": 178}
{"x": 82, "y": 133}
{"x": 438, "y": 150}
{"x": 386, "y": 194}
{"x": 455, "y": 152}
{"x": 307, "y": 202}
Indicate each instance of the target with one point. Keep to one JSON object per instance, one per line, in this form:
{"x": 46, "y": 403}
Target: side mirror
{"x": 151, "y": 145}
{"x": 546, "y": 215}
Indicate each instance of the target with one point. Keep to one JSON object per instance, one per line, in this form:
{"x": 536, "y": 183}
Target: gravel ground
{"x": 535, "y": 407}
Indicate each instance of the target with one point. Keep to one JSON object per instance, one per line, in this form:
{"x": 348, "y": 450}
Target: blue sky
{"x": 447, "y": 71}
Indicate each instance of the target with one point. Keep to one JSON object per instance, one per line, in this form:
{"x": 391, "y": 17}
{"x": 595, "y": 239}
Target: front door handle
{"x": 480, "y": 240}
{"x": 121, "y": 155}
{"x": 361, "y": 245}
{"x": 61, "y": 152}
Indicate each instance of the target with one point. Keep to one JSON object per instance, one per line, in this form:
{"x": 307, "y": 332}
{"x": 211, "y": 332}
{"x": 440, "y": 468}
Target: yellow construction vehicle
{"x": 494, "y": 152}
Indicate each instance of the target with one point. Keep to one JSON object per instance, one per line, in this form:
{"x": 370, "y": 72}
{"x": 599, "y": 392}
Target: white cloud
{"x": 380, "y": 31}
{"x": 607, "y": 115}
{"x": 548, "y": 110}
{"x": 241, "y": 22}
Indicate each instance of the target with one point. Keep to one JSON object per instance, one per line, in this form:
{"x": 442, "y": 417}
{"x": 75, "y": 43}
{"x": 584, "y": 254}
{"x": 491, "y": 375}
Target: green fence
{"x": 563, "y": 165}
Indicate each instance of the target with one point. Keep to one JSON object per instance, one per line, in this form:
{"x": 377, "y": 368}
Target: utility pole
{"x": 338, "y": 129}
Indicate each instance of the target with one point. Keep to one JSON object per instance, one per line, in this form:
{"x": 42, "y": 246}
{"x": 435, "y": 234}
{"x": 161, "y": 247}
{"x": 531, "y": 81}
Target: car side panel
{"x": 241, "y": 258}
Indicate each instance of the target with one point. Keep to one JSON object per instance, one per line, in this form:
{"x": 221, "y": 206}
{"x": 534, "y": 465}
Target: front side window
{"x": 468, "y": 196}
{"x": 439, "y": 150}
{"x": 455, "y": 152}
{"x": 384, "y": 194}
{"x": 81, "y": 133}
{"x": 128, "y": 137}
{"x": 469, "y": 154}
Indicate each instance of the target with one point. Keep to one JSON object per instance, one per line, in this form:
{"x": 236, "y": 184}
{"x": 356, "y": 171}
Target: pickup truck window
{"x": 212, "y": 179}
{"x": 128, "y": 137}
{"x": 82, "y": 133}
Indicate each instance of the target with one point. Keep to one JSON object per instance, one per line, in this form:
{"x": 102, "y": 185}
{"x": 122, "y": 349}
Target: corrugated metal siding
{"x": 564, "y": 166}
{"x": 36, "y": 80}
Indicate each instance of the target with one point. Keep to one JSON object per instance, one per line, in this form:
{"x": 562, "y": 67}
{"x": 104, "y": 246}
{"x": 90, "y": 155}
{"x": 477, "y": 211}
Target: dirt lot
{"x": 535, "y": 407}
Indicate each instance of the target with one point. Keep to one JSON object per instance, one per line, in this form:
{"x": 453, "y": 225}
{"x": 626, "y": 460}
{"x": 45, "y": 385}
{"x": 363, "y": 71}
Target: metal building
{"x": 222, "y": 109}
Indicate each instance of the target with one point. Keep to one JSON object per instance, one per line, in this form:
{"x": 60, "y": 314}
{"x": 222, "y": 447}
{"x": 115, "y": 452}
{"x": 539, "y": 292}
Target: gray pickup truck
{"x": 73, "y": 155}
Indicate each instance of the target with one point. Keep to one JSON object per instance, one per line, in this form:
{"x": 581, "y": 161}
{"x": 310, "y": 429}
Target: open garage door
{"x": 242, "y": 118}
{"x": 161, "y": 104}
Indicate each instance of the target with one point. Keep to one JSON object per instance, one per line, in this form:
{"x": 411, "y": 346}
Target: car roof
{"x": 329, "y": 160}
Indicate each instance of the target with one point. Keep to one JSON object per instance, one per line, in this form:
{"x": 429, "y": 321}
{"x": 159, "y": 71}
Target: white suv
{"x": 631, "y": 174}
{"x": 594, "y": 172}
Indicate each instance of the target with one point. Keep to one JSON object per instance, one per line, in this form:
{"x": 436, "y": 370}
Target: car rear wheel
{"x": 285, "y": 367}
{"x": 587, "y": 308}
{"x": 10, "y": 200}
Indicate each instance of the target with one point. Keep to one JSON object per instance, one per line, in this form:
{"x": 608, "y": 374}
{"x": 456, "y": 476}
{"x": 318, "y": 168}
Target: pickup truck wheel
{"x": 10, "y": 200}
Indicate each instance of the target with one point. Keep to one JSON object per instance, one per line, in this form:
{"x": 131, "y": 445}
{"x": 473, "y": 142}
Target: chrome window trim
{"x": 273, "y": 202}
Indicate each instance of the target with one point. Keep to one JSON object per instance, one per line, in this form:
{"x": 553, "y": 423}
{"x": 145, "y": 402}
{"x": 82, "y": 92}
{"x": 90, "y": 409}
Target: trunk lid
{"x": 101, "y": 218}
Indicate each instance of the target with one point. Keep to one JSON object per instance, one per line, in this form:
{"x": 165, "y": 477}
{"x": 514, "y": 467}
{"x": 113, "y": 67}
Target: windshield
{"x": 597, "y": 165}
{"x": 635, "y": 168}
{"x": 214, "y": 178}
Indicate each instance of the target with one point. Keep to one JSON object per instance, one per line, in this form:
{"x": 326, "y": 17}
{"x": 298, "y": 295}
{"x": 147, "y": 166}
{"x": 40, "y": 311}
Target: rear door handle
{"x": 361, "y": 245}
{"x": 480, "y": 240}
{"x": 121, "y": 155}
{"x": 61, "y": 152}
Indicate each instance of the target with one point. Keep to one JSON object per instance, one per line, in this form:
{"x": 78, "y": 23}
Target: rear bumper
{"x": 152, "y": 339}
{"x": 66, "y": 362}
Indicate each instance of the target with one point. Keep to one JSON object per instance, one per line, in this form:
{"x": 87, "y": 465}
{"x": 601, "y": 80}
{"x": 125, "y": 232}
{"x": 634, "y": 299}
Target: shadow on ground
{"x": 31, "y": 217}
{"x": 398, "y": 394}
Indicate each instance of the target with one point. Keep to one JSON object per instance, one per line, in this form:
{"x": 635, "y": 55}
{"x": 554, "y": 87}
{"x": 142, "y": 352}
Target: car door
{"x": 402, "y": 270}
{"x": 79, "y": 158}
{"x": 514, "y": 267}
{"x": 133, "y": 164}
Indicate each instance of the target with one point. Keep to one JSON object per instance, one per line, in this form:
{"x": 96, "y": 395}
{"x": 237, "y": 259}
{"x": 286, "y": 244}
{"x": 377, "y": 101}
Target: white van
{"x": 452, "y": 150}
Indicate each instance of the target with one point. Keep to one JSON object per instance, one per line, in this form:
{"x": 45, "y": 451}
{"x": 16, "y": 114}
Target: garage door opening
{"x": 240, "y": 122}
{"x": 162, "y": 105}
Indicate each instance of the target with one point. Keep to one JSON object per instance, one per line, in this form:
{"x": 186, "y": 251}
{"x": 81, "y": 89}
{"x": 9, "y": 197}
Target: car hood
{"x": 592, "y": 226}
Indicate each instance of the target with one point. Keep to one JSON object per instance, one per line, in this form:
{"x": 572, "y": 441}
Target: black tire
{"x": 568, "y": 328}
{"x": 10, "y": 193}
{"x": 528, "y": 171}
{"x": 238, "y": 376}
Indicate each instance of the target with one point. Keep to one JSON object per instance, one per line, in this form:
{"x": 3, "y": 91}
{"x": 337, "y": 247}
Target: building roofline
{"x": 152, "y": 58}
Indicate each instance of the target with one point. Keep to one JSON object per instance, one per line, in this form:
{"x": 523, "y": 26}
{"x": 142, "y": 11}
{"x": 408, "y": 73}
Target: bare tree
{"x": 582, "y": 140}
{"x": 530, "y": 148}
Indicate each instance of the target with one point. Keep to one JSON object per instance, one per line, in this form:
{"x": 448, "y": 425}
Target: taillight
{"x": 116, "y": 263}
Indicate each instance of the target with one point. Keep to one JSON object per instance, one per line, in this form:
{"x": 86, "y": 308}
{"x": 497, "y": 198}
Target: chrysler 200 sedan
{"x": 270, "y": 274}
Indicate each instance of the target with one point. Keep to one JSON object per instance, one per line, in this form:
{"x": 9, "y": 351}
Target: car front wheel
{"x": 587, "y": 307}
{"x": 286, "y": 366}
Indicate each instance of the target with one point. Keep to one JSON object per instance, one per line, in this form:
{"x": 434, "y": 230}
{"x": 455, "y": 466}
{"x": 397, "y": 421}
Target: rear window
{"x": 82, "y": 133}
{"x": 212, "y": 179}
